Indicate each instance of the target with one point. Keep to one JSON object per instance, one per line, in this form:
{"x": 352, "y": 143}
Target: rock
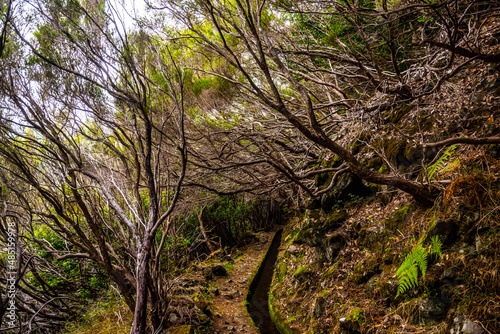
{"x": 447, "y": 231}
{"x": 332, "y": 246}
{"x": 319, "y": 307}
{"x": 313, "y": 204}
{"x": 372, "y": 284}
{"x": 219, "y": 270}
{"x": 449, "y": 275}
{"x": 370, "y": 237}
{"x": 430, "y": 309}
{"x": 462, "y": 325}
{"x": 335, "y": 220}
{"x": 352, "y": 323}
{"x": 313, "y": 214}
{"x": 173, "y": 317}
{"x": 471, "y": 327}
{"x": 233, "y": 294}
{"x": 202, "y": 319}
{"x": 389, "y": 288}
{"x": 293, "y": 249}
{"x": 215, "y": 290}
{"x": 229, "y": 328}
{"x": 365, "y": 269}
{"x": 311, "y": 237}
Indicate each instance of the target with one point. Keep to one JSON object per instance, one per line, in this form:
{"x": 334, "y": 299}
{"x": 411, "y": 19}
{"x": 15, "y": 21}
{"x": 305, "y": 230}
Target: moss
{"x": 277, "y": 318}
{"x": 184, "y": 329}
{"x": 357, "y": 316}
{"x": 383, "y": 169}
{"x": 302, "y": 271}
{"x": 335, "y": 219}
{"x": 365, "y": 269}
{"x": 398, "y": 217}
{"x": 392, "y": 147}
{"x": 282, "y": 269}
{"x": 310, "y": 237}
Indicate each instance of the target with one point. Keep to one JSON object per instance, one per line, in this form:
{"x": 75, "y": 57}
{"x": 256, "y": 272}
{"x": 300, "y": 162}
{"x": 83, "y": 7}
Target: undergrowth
{"x": 417, "y": 259}
{"x": 109, "y": 315}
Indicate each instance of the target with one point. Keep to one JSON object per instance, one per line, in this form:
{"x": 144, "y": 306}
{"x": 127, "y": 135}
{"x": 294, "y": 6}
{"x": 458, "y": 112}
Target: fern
{"x": 440, "y": 163}
{"x": 436, "y": 246}
{"x": 416, "y": 260}
{"x": 408, "y": 271}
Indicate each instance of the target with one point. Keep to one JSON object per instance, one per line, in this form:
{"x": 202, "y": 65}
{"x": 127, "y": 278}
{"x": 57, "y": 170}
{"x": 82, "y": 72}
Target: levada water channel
{"x": 258, "y": 306}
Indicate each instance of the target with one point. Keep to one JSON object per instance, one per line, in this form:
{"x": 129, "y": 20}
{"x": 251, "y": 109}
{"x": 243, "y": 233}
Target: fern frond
{"x": 440, "y": 163}
{"x": 407, "y": 273}
{"x": 420, "y": 257}
{"x": 436, "y": 246}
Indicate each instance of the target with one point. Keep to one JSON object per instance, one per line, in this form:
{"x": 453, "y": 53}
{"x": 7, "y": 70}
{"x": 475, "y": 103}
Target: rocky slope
{"x": 337, "y": 271}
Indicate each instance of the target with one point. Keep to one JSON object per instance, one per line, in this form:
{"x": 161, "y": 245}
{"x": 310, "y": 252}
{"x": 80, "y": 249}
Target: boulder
{"x": 431, "y": 309}
{"x": 463, "y": 325}
{"x": 311, "y": 237}
{"x": 446, "y": 230}
{"x": 332, "y": 246}
{"x": 218, "y": 270}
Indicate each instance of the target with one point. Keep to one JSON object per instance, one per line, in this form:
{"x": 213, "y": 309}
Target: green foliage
{"x": 440, "y": 164}
{"x": 408, "y": 271}
{"x": 436, "y": 246}
{"x": 107, "y": 315}
{"x": 228, "y": 218}
{"x": 416, "y": 260}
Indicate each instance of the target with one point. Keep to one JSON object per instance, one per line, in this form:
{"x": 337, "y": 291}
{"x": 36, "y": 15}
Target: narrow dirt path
{"x": 231, "y": 315}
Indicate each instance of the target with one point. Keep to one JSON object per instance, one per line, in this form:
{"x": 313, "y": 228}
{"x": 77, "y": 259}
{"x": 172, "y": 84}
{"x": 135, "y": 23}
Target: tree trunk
{"x": 141, "y": 300}
{"x": 203, "y": 231}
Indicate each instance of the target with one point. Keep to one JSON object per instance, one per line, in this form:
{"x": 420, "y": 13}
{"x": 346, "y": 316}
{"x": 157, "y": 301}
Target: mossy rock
{"x": 184, "y": 329}
{"x": 398, "y": 218}
{"x": 366, "y": 269}
{"x": 313, "y": 214}
{"x": 354, "y": 321}
{"x": 311, "y": 237}
{"x": 388, "y": 289}
{"x": 371, "y": 238}
{"x": 319, "y": 307}
{"x": 335, "y": 219}
{"x": 332, "y": 246}
{"x": 446, "y": 230}
{"x": 302, "y": 273}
